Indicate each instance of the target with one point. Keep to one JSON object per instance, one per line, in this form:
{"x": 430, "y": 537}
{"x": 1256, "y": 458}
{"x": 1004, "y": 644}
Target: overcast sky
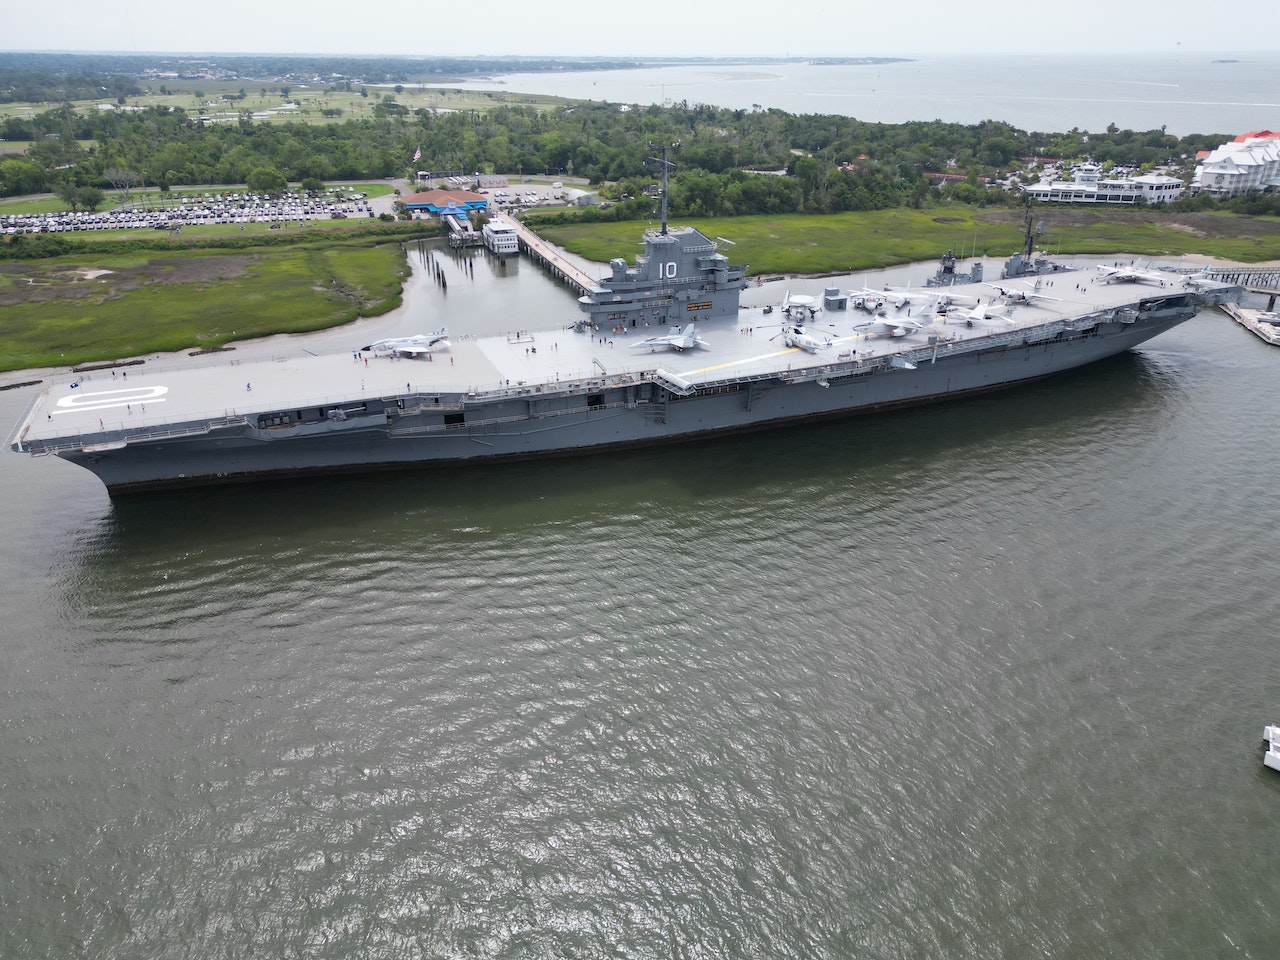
{"x": 653, "y": 28}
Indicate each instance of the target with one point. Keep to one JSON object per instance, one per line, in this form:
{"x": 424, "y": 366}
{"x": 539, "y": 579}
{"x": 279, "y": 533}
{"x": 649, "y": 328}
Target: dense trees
{"x": 34, "y": 84}
{"x": 80, "y": 198}
{"x": 266, "y": 180}
{"x": 834, "y": 163}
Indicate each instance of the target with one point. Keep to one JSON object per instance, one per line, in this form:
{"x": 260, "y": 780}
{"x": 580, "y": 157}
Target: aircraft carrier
{"x": 661, "y": 352}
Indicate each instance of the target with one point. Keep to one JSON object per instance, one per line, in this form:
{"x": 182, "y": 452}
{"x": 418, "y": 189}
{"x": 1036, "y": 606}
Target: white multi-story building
{"x": 1088, "y": 186}
{"x": 1249, "y": 162}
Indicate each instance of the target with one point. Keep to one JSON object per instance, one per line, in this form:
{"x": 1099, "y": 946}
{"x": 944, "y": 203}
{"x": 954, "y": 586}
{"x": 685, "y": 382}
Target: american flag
{"x": 417, "y": 155}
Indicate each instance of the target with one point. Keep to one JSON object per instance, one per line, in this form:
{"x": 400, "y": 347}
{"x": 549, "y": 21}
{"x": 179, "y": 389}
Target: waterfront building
{"x": 1087, "y": 185}
{"x": 442, "y": 202}
{"x": 1249, "y": 162}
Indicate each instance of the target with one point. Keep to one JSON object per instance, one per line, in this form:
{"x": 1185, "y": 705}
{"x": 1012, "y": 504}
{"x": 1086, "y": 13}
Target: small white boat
{"x": 1271, "y": 740}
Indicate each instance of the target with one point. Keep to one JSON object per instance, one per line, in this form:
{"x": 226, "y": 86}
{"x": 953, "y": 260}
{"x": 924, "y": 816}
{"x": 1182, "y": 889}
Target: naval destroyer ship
{"x": 661, "y": 352}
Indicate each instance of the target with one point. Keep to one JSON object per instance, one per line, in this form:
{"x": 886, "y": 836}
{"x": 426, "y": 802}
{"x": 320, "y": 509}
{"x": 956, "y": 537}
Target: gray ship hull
{"x": 597, "y": 417}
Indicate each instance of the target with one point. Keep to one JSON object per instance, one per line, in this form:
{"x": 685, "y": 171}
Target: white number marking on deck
{"x": 84, "y": 401}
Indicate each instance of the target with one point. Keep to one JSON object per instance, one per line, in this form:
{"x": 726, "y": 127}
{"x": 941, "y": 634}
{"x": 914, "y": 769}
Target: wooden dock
{"x": 1256, "y": 322}
{"x": 461, "y": 232}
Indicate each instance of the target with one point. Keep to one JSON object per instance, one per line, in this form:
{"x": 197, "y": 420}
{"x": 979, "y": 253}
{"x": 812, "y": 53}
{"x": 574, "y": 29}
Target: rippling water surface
{"x": 982, "y": 680}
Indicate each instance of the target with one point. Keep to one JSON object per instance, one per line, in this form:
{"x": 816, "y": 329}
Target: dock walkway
{"x": 461, "y": 232}
{"x": 553, "y": 259}
{"x": 1262, "y": 324}
{"x": 1264, "y": 280}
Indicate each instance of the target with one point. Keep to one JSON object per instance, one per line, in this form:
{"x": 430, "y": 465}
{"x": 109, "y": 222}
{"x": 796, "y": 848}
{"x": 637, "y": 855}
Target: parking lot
{"x": 201, "y": 210}
{"x": 506, "y": 193}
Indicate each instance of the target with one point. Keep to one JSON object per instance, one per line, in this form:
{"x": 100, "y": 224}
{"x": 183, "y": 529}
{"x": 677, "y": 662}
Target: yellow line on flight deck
{"x": 763, "y": 356}
{"x": 734, "y": 363}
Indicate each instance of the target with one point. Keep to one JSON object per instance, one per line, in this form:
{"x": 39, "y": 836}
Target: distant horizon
{"x": 696, "y": 58}
{"x": 1186, "y": 94}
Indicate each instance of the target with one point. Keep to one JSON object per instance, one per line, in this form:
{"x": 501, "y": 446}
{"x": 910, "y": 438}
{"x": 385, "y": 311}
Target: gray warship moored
{"x": 1024, "y": 262}
{"x": 662, "y": 353}
{"x": 949, "y": 276}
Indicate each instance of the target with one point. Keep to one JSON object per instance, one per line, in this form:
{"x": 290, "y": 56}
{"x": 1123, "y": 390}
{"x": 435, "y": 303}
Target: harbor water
{"x": 1180, "y": 92}
{"x": 981, "y": 679}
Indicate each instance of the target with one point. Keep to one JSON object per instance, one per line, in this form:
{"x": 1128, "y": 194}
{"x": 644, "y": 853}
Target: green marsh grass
{"x": 186, "y": 300}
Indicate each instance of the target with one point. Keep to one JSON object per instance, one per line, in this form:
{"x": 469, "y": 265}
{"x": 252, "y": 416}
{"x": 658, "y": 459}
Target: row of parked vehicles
{"x": 529, "y": 199}
{"x": 199, "y": 210}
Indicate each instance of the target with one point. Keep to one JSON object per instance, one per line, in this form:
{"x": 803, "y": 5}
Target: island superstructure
{"x": 614, "y": 378}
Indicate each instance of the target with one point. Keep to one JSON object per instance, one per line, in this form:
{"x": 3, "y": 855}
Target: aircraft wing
{"x": 889, "y": 328}
{"x": 986, "y": 313}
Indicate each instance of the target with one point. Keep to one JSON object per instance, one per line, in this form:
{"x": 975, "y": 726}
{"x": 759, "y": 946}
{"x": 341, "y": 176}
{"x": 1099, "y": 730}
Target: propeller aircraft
{"x": 1013, "y": 294}
{"x": 799, "y": 306}
{"x": 793, "y": 334}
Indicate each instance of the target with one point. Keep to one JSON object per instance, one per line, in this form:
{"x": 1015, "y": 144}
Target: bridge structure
{"x": 553, "y": 260}
{"x": 1264, "y": 280}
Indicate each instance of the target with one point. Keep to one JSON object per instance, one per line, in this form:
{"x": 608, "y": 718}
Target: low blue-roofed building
{"x": 457, "y": 203}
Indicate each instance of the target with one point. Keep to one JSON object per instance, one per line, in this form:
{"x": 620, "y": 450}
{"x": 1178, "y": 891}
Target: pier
{"x": 461, "y": 232}
{"x": 553, "y": 260}
{"x": 1262, "y": 325}
{"x": 1254, "y": 279}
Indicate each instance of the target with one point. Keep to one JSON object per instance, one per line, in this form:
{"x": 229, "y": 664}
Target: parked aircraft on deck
{"x": 680, "y": 341}
{"x": 412, "y": 347}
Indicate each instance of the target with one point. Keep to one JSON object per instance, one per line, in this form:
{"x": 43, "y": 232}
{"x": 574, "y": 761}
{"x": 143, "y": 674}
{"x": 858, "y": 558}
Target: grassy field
{"x": 850, "y": 242}
{"x": 82, "y": 308}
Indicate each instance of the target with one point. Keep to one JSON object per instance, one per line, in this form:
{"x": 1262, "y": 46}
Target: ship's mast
{"x": 664, "y": 189}
{"x": 665, "y": 165}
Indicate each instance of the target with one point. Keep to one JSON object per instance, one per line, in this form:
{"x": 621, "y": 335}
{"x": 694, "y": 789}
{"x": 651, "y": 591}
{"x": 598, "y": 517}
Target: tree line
{"x": 33, "y": 77}
{"x": 832, "y": 163}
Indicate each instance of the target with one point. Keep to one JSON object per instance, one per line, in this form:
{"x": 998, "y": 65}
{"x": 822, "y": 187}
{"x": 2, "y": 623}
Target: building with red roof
{"x": 1249, "y": 162}
{"x": 446, "y": 202}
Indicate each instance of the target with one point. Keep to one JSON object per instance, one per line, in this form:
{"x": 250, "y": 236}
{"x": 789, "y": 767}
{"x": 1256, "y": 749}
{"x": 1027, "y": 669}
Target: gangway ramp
{"x": 551, "y": 257}
{"x": 461, "y": 232}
